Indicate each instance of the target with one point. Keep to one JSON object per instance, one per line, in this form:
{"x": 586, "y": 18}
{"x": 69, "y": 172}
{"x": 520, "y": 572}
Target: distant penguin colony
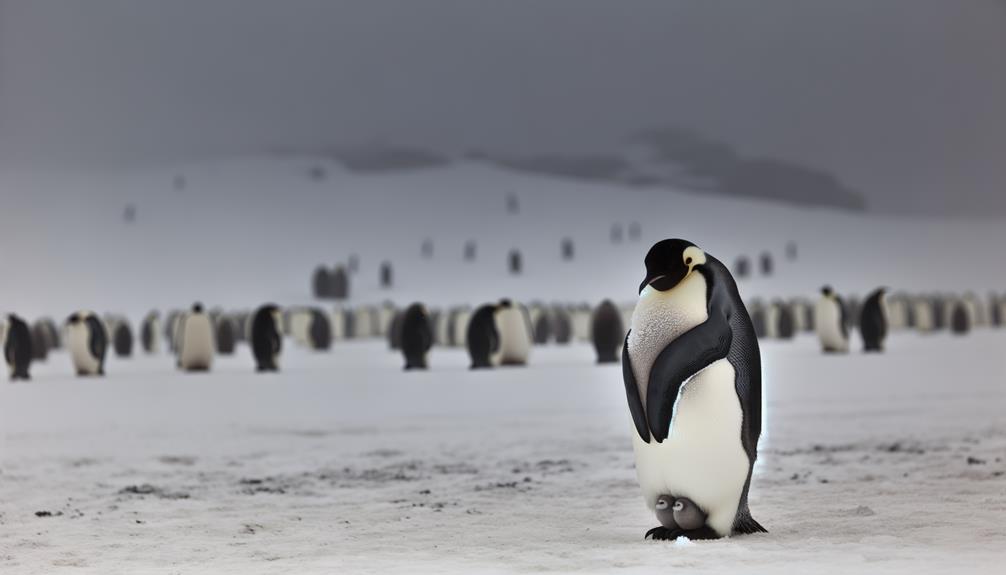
{"x": 195, "y": 345}
{"x": 87, "y": 341}
{"x": 416, "y": 336}
{"x": 873, "y": 321}
{"x": 692, "y": 373}
{"x": 17, "y": 348}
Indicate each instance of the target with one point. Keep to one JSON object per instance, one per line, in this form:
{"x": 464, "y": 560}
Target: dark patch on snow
{"x": 148, "y": 489}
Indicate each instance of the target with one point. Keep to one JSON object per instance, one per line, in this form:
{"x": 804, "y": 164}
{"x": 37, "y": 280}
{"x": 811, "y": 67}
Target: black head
{"x": 505, "y": 303}
{"x": 270, "y": 307}
{"x": 197, "y": 308}
{"x": 826, "y": 291}
{"x": 670, "y": 261}
{"x": 73, "y": 319}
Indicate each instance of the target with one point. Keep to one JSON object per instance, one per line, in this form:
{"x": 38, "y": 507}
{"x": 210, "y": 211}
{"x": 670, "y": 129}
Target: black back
{"x": 562, "y": 325}
{"x": 960, "y": 321}
{"x": 226, "y": 338}
{"x": 416, "y": 336}
{"x": 785, "y": 321}
{"x": 872, "y": 322}
{"x": 543, "y": 328}
{"x": 39, "y": 342}
{"x": 98, "y": 341}
{"x": 482, "y": 335}
{"x": 17, "y": 348}
{"x": 266, "y": 341}
{"x": 395, "y": 331}
{"x": 320, "y": 332}
{"x": 122, "y": 339}
{"x": 607, "y": 331}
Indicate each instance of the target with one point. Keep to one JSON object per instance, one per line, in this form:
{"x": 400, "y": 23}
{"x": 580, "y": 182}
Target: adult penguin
{"x": 87, "y": 341}
{"x": 514, "y": 327}
{"x": 395, "y": 331}
{"x": 226, "y": 334}
{"x": 195, "y": 343}
{"x": 692, "y": 372}
{"x": 39, "y": 342}
{"x": 873, "y": 321}
{"x": 607, "y": 331}
{"x": 319, "y": 331}
{"x": 785, "y": 320}
{"x": 122, "y": 338}
{"x": 150, "y": 332}
{"x": 830, "y": 322}
{"x": 266, "y": 341}
{"x": 483, "y": 338}
{"x": 17, "y": 348}
{"x": 415, "y": 336}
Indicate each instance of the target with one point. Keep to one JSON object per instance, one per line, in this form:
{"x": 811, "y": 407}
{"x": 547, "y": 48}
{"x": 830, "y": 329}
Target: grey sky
{"x": 903, "y": 99}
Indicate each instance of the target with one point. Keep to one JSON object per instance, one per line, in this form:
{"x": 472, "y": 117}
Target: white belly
{"x": 196, "y": 343}
{"x": 702, "y": 457}
{"x": 923, "y": 317}
{"x": 300, "y": 324}
{"x": 78, "y": 340}
{"x": 515, "y": 339}
{"x": 461, "y": 328}
{"x": 827, "y": 322}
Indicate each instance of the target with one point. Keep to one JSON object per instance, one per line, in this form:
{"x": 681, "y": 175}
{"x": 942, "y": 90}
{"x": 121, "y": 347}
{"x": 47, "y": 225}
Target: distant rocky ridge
{"x": 664, "y": 157}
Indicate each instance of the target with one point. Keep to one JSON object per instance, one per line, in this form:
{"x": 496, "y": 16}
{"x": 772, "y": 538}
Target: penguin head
{"x": 826, "y": 291}
{"x": 670, "y": 261}
{"x": 197, "y": 308}
{"x": 74, "y": 319}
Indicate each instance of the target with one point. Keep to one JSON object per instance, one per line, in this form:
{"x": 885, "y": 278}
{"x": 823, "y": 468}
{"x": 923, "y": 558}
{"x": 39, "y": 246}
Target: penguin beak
{"x": 664, "y": 282}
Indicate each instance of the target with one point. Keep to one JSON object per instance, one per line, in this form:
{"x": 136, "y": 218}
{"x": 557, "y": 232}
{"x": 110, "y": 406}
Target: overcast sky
{"x": 903, "y": 99}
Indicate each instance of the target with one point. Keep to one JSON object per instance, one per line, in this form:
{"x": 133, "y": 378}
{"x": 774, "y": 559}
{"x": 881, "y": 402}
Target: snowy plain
{"x": 889, "y": 463}
{"x": 344, "y": 463}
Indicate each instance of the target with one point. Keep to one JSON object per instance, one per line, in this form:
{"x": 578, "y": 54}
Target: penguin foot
{"x": 663, "y": 534}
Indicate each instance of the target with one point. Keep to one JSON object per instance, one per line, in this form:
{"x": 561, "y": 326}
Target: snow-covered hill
{"x": 240, "y": 232}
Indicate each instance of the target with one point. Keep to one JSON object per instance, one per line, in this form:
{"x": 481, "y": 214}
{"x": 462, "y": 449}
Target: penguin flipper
{"x": 632, "y": 393}
{"x": 687, "y": 355}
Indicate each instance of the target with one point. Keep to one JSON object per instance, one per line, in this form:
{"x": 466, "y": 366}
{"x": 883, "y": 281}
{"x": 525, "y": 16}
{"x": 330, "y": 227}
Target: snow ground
{"x": 343, "y": 463}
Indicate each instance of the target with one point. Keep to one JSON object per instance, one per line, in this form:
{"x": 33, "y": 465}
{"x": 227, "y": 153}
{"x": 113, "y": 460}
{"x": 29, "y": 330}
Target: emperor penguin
{"x": 150, "y": 332}
{"x": 416, "y": 336}
{"x": 17, "y": 347}
{"x": 265, "y": 338}
{"x": 319, "y": 331}
{"x": 607, "y": 331}
{"x": 87, "y": 340}
{"x": 515, "y": 332}
{"x": 830, "y": 322}
{"x": 692, "y": 372}
{"x": 482, "y": 338}
{"x": 195, "y": 343}
{"x": 873, "y": 321}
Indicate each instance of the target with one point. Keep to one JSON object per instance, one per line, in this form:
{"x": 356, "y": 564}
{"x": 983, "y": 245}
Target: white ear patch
{"x": 693, "y": 256}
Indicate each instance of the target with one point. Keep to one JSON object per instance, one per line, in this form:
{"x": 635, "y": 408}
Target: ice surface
{"x": 880, "y": 464}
